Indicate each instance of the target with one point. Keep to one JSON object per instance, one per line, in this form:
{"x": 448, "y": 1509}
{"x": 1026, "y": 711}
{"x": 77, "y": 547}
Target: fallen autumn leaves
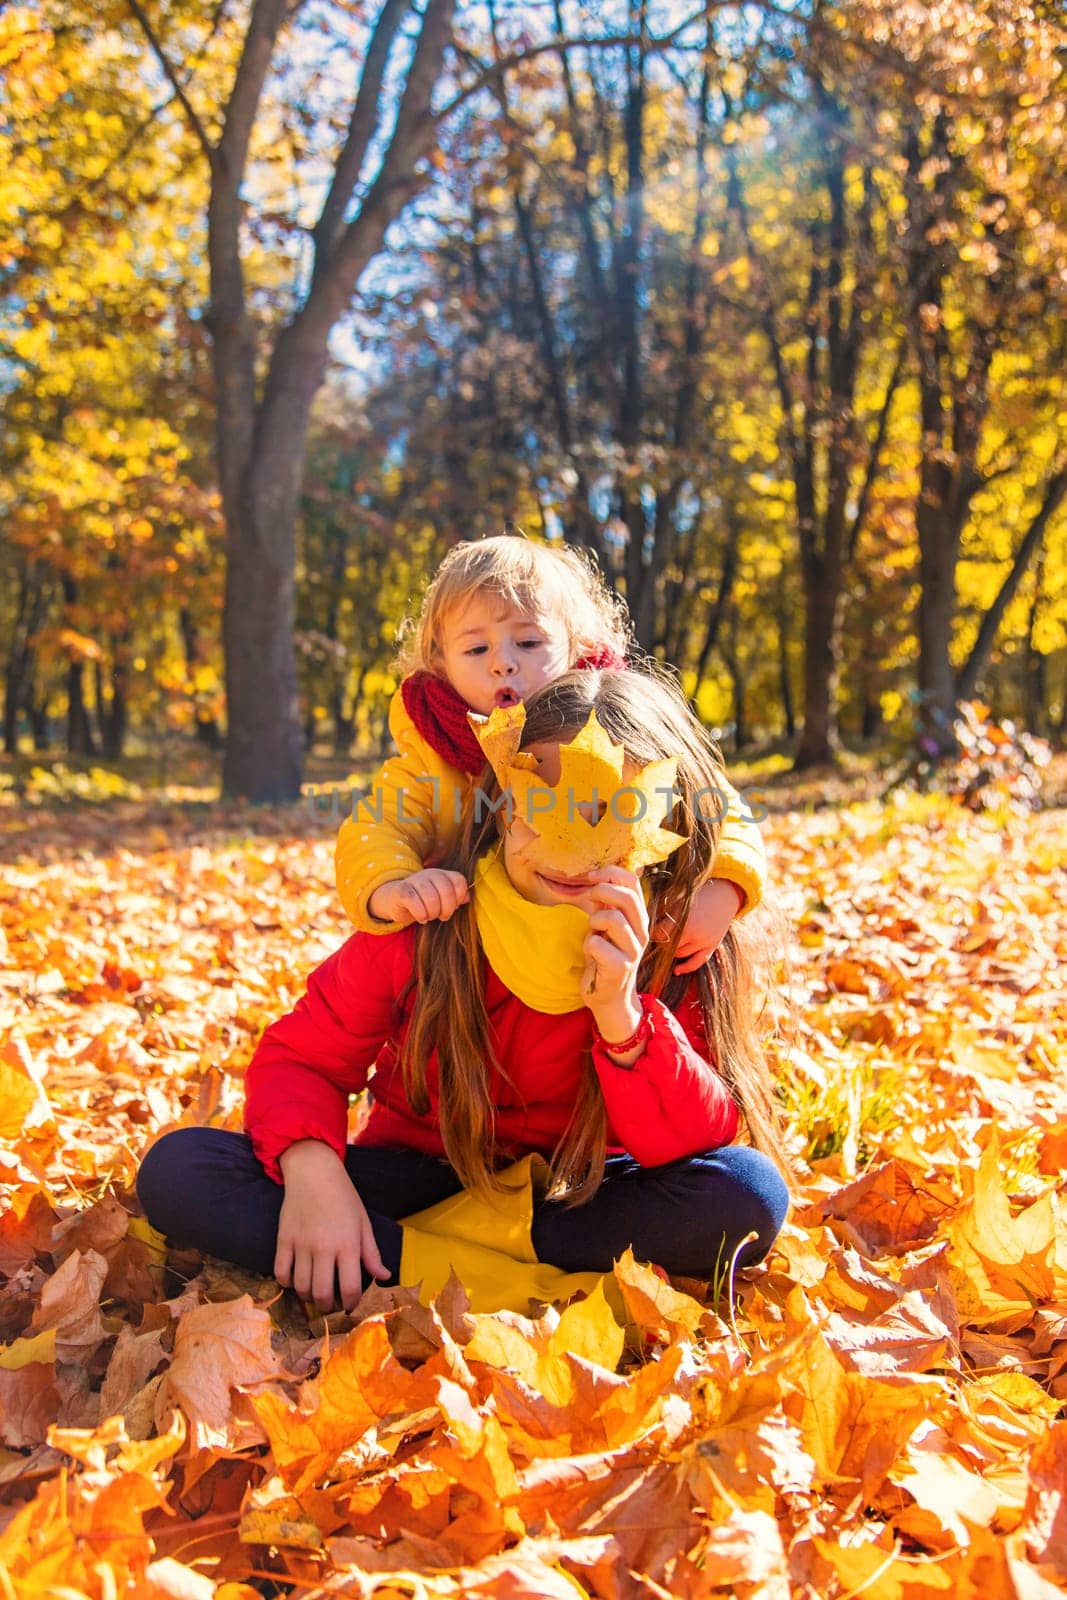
{"x": 881, "y": 1417}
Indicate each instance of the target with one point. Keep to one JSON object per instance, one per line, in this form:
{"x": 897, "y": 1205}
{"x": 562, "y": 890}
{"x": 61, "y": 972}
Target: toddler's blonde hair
{"x": 554, "y": 581}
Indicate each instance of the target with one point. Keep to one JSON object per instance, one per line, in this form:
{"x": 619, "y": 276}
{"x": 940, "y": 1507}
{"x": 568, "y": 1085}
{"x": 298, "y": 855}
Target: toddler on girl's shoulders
{"x": 502, "y": 618}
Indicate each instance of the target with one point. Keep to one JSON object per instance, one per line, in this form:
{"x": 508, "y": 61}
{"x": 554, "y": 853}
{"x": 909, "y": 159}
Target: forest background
{"x": 762, "y": 305}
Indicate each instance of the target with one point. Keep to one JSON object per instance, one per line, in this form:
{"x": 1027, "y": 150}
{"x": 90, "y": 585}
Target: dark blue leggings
{"x": 205, "y": 1187}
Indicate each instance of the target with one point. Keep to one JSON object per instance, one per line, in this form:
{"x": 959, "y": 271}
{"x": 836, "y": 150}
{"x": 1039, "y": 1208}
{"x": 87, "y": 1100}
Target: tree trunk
{"x": 261, "y": 426}
{"x": 80, "y": 740}
{"x": 939, "y": 545}
{"x": 39, "y": 723}
{"x": 344, "y": 723}
{"x": 737, "y": 686}
{"x": 640, "y": 573}
{"x": 819, "y": 742}
{"x": 115, "y": 717}
{"x": 264, "y": 742}
{"x": 22, "y": 652}
{"x": 785, "y": 682}
{"x": 1035, "y": 665}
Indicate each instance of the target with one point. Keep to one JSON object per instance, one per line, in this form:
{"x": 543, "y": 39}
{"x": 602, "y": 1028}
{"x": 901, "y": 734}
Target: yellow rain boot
{"x": 487, "y": 1243}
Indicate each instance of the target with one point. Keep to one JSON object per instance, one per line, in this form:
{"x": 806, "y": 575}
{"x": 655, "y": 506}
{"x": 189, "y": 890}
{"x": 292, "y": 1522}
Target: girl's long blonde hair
{"x": 647, "y": 715}
{"x": 548, "y": 581}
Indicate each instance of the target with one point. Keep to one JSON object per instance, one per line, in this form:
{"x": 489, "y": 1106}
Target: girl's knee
{"x": 153, "y": 1177}
{"x": 745, "y": 1186}
{"x": 163, "y": 1176}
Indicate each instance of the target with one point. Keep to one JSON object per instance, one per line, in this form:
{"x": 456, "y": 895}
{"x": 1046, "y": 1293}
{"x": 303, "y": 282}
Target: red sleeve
{"x": 671, "y": 1102}
{"x": 308, "y": 1062}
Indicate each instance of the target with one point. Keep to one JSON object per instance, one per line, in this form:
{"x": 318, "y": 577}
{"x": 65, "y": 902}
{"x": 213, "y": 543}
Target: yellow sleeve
{"x": 740, "y": 857}
{"x": 398, "y": 825}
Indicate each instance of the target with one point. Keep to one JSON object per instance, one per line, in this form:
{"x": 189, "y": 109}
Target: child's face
{"x": 539, "y": 883}
{"x": 495, "y": 655}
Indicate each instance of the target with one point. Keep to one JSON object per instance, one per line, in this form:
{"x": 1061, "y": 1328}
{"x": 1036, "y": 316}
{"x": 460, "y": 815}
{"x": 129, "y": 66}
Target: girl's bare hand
{"x": 324, "y": 1233}
{"x": 614, "y": 946}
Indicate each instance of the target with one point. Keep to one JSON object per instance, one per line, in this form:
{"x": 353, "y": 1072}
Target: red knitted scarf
{"x": 440, "y": 715}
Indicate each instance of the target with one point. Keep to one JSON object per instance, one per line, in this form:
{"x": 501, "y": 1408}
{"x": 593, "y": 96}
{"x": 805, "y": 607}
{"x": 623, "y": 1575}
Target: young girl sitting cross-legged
{"x": 546, "y": 1090}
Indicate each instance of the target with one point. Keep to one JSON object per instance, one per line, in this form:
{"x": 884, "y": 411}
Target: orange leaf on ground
{"x": 882, "y": 1211}
{"x": 656, "y": 1307}
{"x": 20, "y": 1089}
{"x": 1003, "y": 1266}
{"x": 1045, "y": 1515}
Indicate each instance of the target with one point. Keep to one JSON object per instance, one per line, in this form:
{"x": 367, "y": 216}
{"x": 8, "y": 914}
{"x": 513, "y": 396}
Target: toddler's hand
{"x": 428, "y": 896}
{"x": 715, "y": 905}
{"x": 323, "y": 1231}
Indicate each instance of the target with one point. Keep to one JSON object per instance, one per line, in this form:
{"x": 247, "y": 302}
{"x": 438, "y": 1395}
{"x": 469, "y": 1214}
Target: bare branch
{"x": 266, "y": 22}
{"x": 649, "y": 44}
{"x": 361, "y": 129}
{"x": 192, "y": 116}
{"x": 875, "y": 457}
{"x": 1055, "y": 493}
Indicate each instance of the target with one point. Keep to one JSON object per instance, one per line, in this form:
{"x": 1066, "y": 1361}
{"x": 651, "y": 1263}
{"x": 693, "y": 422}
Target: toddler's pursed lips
{"x": 506, "y": 697}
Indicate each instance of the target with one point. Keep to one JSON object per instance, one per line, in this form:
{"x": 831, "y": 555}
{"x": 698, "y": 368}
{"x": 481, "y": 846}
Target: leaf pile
{"x": 880, "y": 1412}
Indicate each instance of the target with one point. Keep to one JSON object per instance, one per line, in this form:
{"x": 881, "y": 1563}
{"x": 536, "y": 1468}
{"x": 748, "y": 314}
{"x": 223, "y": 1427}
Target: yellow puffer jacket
{"x": 412, "y": 816}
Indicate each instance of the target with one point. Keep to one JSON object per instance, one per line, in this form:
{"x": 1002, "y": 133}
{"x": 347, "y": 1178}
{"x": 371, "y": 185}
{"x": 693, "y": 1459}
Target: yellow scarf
{"x": 535, "y": 951}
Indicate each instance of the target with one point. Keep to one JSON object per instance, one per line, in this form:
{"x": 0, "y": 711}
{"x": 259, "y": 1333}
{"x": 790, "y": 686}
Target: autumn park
{"x": 709, "y": 362}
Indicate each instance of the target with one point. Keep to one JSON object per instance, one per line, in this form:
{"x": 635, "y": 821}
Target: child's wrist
{"x": 307, "y": 1153}
{"x": 616, "y": 1027}
{"x": 384, "y": 911}
{"x": 739, "y": 893}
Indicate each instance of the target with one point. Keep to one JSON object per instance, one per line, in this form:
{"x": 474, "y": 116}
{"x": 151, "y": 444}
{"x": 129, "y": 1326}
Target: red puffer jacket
{"x": 671, "y": 1103}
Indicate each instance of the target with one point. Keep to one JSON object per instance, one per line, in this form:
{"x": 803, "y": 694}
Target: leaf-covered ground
{"x": 877, "y": 1411}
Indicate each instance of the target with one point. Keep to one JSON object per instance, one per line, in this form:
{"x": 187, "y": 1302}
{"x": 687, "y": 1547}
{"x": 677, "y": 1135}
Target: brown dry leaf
{"x": 29, "y": 1398}
{"x": 878, "y": 1574}
{"x": 761, "y": 1463}
{"x": 133, "y": 1361}
{"x": 70, "y": 1303}
{"x": 950, "y": 1498}
{"x": 218, "y": 1348}
{"x": 908, "y": 1337}
{"x": 361, "y": 1382}
{"x": 100, "y": 1229}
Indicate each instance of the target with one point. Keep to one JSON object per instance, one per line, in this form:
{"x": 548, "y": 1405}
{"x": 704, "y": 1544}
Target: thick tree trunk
{"x": 265, "y": 741}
